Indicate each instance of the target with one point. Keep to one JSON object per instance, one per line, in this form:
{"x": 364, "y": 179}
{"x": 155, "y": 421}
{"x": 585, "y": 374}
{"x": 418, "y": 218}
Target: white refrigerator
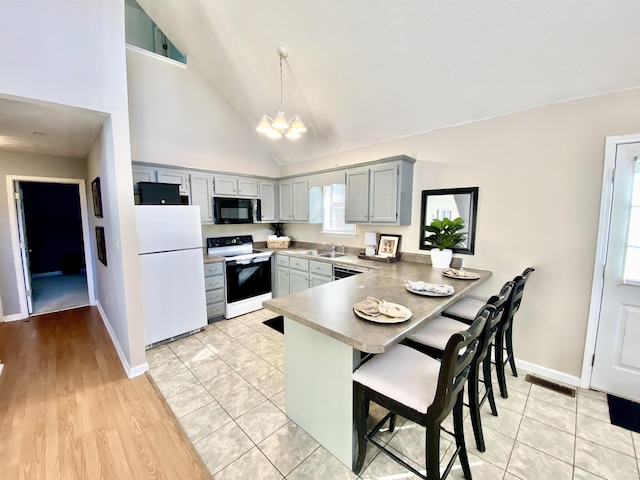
{"x": 171, "y": 270}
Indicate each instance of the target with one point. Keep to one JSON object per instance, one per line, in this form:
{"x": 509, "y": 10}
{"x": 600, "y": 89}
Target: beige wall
{"x": 28, "y": 165}
{"x": 539, "y": 174}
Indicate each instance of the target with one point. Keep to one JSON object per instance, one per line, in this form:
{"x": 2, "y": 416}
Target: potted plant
{"x": 444, "y": 234}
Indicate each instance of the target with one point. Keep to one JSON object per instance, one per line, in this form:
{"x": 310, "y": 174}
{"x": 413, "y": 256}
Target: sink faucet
{"x": 331, "y": 245}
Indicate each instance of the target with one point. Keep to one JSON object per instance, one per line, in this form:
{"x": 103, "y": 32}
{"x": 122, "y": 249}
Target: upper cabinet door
{"x": 268, "y": 200}
{"x": 357, "y": 196}
{"x": 285, "y": 213}
{"x": 181, "y": 177}
{"x": 202, "y": 195}
{"x": 142, "y": 174}
{"x": 383, "y": 194}
{"x": 247, "y": 187}
{"x": 300, "y": 198}
{"x": 224, "y": 185}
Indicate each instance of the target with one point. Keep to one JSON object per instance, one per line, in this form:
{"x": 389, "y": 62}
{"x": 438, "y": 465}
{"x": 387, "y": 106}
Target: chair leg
{"x": 459, "y": 435}
{"x": 488, "y": 385}
{"x": 392, "y": 422}
{"x": 360, "y": 413}
{"x": 432, "y": 454}
{"x": 512, "y": 360}
{"x": 498, "y": 353}
{"x": 474, "y": 407}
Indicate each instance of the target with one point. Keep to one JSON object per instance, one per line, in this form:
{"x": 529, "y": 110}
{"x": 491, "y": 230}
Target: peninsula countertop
{"x": 329, "y": 308}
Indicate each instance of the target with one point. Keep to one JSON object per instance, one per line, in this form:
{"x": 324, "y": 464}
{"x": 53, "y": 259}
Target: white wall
{"x": 539, "y": 174}
{"x": 77, "y": 58}
{"x": 178, "y": 118}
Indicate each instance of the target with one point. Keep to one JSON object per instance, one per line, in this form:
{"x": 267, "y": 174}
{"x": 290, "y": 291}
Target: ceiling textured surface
{"x": 47, "y": 128}
{"x": 365, "y": 72}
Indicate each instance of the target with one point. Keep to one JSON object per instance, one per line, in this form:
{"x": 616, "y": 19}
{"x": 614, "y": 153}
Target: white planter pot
{"x": 441, "y": 258}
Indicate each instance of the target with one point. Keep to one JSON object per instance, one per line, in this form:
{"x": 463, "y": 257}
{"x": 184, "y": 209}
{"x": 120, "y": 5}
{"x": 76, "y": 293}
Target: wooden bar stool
{"x": 466, "y": 309}
{"x": 421, "y": 389}
{"x": 431, "y": 339}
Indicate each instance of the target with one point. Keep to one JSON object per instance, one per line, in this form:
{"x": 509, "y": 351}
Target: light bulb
{"x": 280, "y": 122}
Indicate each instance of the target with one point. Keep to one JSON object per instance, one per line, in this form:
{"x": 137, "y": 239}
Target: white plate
{"x": 427, "y": 293}
{"x": 467, "y": 276}
{"x": 382, "y": 318}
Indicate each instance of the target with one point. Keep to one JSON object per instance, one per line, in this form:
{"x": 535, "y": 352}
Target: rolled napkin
{"x": 369, "y": 306}
{"x": 421, "y": 286}
{"x": 458, "y": 273}
{"x": 373, "y": 307}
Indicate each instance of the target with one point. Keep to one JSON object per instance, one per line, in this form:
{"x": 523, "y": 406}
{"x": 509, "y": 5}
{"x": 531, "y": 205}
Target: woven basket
{"x": 278, "y": 243}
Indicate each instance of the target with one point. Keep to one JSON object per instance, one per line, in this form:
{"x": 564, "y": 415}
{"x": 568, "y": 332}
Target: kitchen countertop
{"x": 212, "y": 258}
{"x": 328, "y": 308}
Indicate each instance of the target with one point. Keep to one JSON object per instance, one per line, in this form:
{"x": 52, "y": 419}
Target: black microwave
{"x": 236, "y": 210}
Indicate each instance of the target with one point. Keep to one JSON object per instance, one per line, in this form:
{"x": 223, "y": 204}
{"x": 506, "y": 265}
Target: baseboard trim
{"x": 547, "y": 373}
{"x": 13, "y": 317}
{"x": 131, "y": 372}
{"x": 47, "y": 274}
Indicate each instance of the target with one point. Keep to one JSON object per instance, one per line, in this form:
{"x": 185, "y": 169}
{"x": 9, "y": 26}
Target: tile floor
{"x": 226, "y": 387}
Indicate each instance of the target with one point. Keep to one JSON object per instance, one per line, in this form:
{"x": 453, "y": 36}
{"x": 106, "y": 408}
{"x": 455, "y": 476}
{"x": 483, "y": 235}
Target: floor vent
{"x": 568, "y": 391}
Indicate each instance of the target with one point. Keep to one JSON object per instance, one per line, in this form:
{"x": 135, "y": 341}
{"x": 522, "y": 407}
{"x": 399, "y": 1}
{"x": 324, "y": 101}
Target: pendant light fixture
{"x": 276, "y": 127}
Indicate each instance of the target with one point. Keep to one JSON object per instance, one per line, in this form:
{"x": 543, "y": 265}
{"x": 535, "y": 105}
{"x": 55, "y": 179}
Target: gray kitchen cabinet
{"x": 142, "y": 173}
{"x": 225, "y": 185}
{"x": 298, "y": 280}
{"x": 214, "y": 290}
{"x": 171, "y": 175}
{"x": 282, "y": 275}
{"x": 268, "y": 200}
{"x": 380, "y": 193}
{"x": 202, "y": 195}
{"x": 320, "y": 273}
{"x": 298, "y": 274}
{"x": 293, "y": 200}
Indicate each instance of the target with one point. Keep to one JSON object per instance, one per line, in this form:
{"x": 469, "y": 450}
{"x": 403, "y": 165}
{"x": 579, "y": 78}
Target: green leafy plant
{"x": 278, "y": 229}
{"x": 444, "y": 233}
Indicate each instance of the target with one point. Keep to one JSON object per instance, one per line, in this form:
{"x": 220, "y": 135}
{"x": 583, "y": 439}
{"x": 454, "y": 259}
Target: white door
{"x": 616, "y": 367}
{"x": 24, "y": 247}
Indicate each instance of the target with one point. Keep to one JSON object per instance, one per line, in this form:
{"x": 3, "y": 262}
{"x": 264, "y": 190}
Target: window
{"x": 333, "y": 212}
{"x": 632, "y": 261}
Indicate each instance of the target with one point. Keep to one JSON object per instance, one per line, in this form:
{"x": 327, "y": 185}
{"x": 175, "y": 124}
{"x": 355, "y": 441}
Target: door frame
{"x": 597, "y": 286}
{"x": 15, "y": 243}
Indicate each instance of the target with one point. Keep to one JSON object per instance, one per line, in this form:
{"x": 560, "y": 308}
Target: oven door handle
{"x": 249, "y": 261}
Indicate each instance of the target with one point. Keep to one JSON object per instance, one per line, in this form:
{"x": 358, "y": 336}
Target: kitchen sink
{"x": 331, "y": 254}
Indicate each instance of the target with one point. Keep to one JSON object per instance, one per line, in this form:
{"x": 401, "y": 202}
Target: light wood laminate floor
{"x": 68, "y": 410}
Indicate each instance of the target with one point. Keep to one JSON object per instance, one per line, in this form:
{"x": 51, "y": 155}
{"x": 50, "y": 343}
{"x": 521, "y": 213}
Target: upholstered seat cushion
{"x": 466, "y": 308}
{"x": 403, "y": 374}
{"x": 437, "y": 332}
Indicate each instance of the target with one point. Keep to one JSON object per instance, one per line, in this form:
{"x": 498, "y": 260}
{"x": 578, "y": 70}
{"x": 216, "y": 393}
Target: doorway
{"x": 49, "y": 229}
{"x": 53, "y": 233}
{"x": 613, "y": 332}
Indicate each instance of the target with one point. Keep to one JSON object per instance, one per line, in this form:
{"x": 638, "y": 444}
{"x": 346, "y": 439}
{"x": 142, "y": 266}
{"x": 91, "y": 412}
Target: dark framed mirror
{"x": 451, "y": 203}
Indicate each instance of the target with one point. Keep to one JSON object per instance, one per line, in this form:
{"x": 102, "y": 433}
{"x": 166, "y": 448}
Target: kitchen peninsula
{"x": 324, "y": 340}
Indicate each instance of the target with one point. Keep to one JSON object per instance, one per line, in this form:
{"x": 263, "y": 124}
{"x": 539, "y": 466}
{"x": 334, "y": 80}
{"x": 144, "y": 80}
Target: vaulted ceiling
{"x": 365, "y": 72}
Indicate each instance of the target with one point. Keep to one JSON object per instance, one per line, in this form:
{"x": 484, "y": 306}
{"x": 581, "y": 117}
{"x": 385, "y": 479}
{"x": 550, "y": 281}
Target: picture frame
{"x": 451, "y": 202}
{"x": 101, "y": 246}
{"x": 388, "y": 245}
{"x": 96, "y": 193}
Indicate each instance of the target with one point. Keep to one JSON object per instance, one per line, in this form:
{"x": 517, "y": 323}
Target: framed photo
{"x": 389, "y": 245}
{"x": 101, "y": 246}
{"x": 97, "y": 197}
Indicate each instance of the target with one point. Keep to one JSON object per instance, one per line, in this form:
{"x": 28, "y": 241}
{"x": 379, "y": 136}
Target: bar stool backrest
{"x": 456, "y": 364}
